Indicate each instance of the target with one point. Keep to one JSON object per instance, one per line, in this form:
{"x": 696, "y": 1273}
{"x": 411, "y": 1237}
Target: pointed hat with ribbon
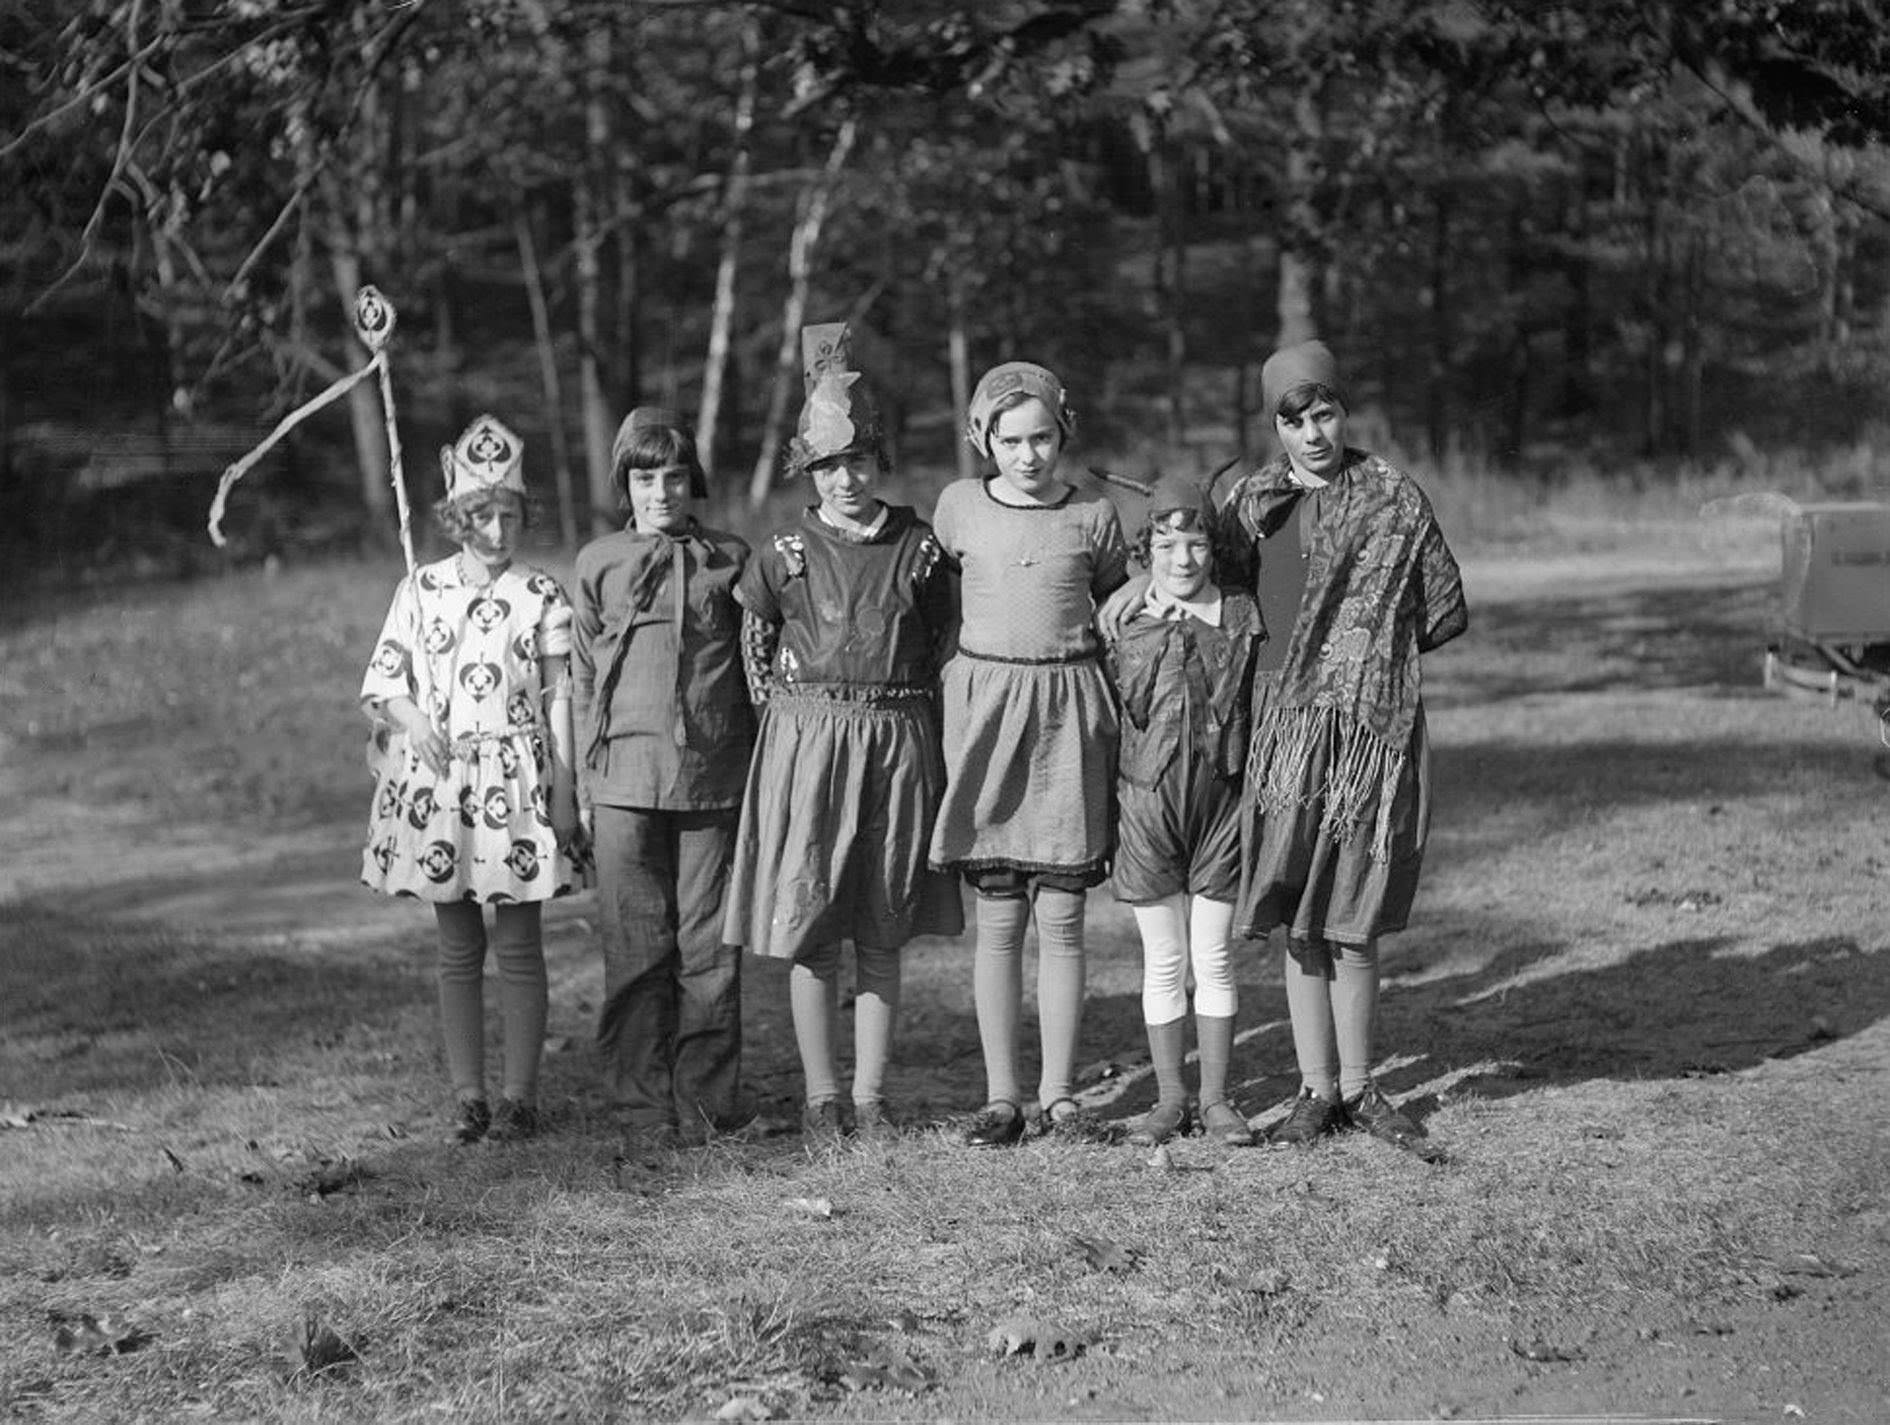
{"x": 838, "y": 417}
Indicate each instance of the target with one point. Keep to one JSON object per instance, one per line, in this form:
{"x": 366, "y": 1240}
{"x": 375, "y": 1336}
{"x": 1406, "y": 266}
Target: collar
{"x": 854, "y": 527}
{"x": 1208, "y": 608}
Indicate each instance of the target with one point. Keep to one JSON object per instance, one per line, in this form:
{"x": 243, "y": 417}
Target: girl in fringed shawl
{"x": 1183, "y": 668}
{"x": 664, "y": 731}
{"x": 845, "y": 614}
{"x": 1030, "y": 732}
{"x": 1354, "y": 582}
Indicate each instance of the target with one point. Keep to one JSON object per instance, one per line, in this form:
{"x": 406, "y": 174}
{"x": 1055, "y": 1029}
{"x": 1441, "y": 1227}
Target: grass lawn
{"x": 1645, "y": 1003}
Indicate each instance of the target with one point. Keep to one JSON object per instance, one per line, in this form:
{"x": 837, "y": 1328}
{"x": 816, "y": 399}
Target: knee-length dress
{"x": 842, "y": 633}
{"x": 471, "y": 656}
{"x": 1030, "y": 719}
{"x": 1336, "y": 803}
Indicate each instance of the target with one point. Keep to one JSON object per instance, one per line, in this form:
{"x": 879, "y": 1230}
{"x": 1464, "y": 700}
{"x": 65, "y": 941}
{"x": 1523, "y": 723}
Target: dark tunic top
{"x": 662, "y": 711}
{"x": 845, "y": 610}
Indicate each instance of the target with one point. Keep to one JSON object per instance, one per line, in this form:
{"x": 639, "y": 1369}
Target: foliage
{"x": 1613, "y": 226}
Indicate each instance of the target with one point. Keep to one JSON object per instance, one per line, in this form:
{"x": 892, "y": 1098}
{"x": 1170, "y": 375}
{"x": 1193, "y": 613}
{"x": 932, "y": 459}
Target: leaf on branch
{"x": 1108, "y": 1256}
{"x": 1032, "y": 1336}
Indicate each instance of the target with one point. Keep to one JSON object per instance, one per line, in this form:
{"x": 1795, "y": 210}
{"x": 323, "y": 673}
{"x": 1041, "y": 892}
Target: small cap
{"x": 1309, "y": 363}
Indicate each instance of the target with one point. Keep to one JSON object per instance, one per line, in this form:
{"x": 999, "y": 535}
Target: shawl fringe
{"x": 1363, "y": 765}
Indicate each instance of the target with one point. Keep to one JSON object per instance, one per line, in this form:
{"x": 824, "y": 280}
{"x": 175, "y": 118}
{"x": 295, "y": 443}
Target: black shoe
{"x": 513, "y": 1121}
{"x": 1378, "y": 1116}
{"x": 1312, "y": 1118}
{"x": 1068, "y": 1120}
{"x": 1222, "y": 1122}
{"x": 874, "y": 1122}
{"x": 825, "y": 1122}
{"x": 473, "y": 1121}
{"x": 1159, "y": 1124}
{"x": 998, "y": 1124}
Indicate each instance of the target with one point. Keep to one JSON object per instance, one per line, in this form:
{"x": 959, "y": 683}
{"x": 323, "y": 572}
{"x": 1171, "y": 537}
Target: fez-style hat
{"x": 1308, "y": 363}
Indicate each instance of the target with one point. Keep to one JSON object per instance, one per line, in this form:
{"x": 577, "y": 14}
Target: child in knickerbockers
{"x": 845, "y": 616}
{"x": 475, "y": 801}
{"x": 1030, "y": 730}
{"x": 664, "y": 731}
{"x": 1182, "y": 666}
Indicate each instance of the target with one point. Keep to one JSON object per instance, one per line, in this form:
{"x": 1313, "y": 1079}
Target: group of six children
{"x": 808, "y": 744}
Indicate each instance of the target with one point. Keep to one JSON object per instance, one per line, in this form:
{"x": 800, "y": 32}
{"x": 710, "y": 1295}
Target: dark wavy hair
{"x": 652, "y": 447}
{"x": 1218, "y": 529}
{"x": 1303, "y": 397}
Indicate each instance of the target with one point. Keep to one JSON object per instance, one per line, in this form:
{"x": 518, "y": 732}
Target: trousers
{"x": 670, "y": 1029}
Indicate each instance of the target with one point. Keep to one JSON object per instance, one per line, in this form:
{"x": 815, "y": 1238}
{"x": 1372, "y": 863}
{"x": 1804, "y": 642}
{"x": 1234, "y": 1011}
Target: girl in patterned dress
{"x": 1030, "y": 731}
{"x": 844, "y": 616}
{"x": 475, "y": 797}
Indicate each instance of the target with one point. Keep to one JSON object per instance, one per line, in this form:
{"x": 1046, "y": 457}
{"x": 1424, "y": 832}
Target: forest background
{"x": 1614, "y": 236}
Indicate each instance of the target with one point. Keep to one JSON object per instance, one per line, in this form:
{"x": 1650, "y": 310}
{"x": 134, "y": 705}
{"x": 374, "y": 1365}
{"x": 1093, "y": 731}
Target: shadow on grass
{"x": 1688, "y": 1008}
{"x": 93, "y": 1005}
{"x": 1710, "y": 637}
{"x": 1553, "y": 782}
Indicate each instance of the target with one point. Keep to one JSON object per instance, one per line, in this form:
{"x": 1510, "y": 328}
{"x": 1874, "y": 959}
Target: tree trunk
{"x": 958, "y": 349}
{"x": 1577, "y": 318}
{"x": 1692, "y": 346}
{"x": 628, "y": 225}
{"x": 1300, "y": 277}
{"x": 364, "y": 413}
{"x": 1165, "y": 186}
{"x": 803, "y": 245}
{"x": 1437, "y": 299}
{"x": 548, "y": 378}
{"x": 1653, "y": 281}
{"x": 734, "y": 212}
{"x": 587, "y": 237}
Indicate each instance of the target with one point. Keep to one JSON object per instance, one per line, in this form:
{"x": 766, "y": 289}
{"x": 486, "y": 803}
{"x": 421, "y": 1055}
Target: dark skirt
{"x": 835, "y": 825}
{"x": 1324, "y": 883}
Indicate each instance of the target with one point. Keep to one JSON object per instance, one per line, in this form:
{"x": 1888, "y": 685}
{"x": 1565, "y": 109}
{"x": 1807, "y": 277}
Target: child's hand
{"x": 567, "y": 825}
{"x": 424, "y": 738}
{"x": 1120, "y": 607}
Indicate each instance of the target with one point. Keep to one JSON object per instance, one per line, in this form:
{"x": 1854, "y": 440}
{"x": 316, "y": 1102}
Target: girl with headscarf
{"x": 1030, "y": 731}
